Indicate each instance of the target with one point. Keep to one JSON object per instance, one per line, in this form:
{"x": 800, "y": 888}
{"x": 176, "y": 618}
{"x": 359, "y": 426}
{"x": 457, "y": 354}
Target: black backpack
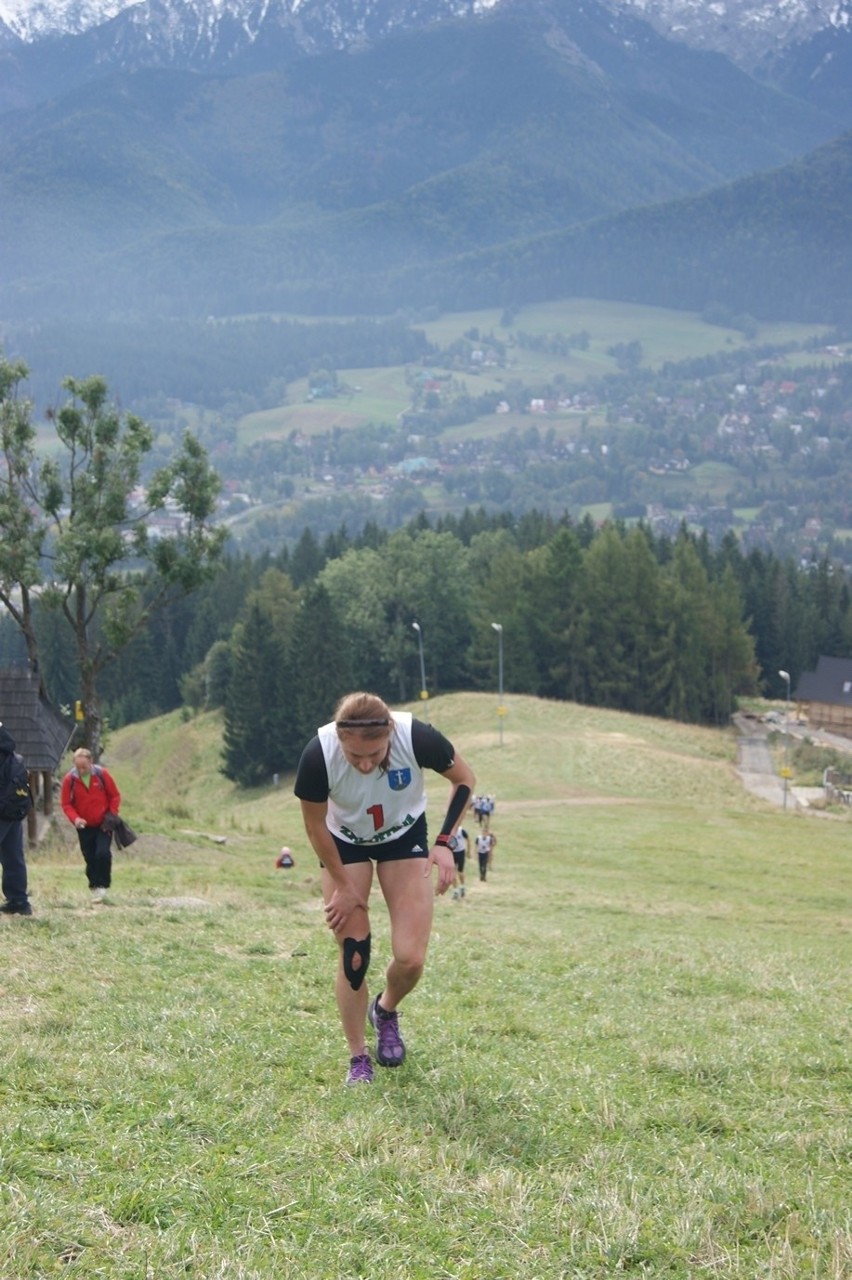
{"x": 16, "y": 798}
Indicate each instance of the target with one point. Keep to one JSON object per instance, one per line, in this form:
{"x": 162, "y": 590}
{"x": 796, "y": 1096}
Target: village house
{"x": 824, "y": 697}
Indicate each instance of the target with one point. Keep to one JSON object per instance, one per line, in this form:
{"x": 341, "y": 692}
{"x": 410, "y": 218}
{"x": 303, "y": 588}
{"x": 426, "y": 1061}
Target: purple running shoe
{"x": 360, "y": 1069}
{"x": 390, "y": 1049}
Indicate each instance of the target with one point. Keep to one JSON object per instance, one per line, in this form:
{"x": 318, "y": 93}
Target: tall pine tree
{"x": 255, "y": 731}
{"x": 319, "y": 668}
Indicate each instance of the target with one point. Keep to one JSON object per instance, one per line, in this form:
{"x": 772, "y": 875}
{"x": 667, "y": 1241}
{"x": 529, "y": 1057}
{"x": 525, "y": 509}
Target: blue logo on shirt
{"x": 399, "y": 779}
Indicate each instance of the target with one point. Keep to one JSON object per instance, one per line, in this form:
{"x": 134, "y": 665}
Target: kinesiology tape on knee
{"x": 353, "y": 947}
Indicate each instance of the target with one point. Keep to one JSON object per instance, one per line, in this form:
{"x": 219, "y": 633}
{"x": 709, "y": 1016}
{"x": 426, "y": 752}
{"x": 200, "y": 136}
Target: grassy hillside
{"x": 628, "y": 1055}
{"x": 665, "y": 334}
{"x": 602, "y": 754}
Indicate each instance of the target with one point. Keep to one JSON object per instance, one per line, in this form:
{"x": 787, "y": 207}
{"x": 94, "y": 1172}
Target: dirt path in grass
{"x": 512, "y": 805}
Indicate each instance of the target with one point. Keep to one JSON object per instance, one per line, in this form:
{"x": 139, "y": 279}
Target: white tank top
{"x": 370, "y": 809}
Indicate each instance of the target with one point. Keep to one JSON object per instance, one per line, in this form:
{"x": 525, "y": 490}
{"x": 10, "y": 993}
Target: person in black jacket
{"x": 14, "y": 884}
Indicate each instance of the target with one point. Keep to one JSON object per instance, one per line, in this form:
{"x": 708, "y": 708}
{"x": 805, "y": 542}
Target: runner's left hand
{"x": 441, "y": 857}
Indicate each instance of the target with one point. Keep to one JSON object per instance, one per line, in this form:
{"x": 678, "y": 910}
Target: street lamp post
{"x": 785, "y": 676}
{"x": 501, "y": 710}
{"x": 424, "y": 693}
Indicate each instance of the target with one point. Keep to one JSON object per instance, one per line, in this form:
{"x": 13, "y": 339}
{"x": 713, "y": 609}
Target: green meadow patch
{"x": 629, "y": 1054}
{"x": 599, "y": 511}
{"x": 714, "y": 480}
{"x": 367, "y": 395}
{"x": 664, "y": 334}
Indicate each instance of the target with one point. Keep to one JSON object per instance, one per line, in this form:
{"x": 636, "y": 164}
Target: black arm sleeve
{"x": 456, "y": 808}
{"x": 433, "y": 751}
{"x": 312, "y": 775}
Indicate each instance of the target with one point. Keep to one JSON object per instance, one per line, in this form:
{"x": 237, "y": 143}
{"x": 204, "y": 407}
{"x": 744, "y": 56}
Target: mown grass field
{"x": 376, "y": 395}
{"x": 664, "y": 334}
{"x": 714, "y": 480}
{"x": 629, "y": 1054}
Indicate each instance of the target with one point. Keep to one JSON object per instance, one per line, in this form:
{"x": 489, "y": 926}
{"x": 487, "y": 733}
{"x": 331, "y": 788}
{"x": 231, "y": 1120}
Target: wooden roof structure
{"x": 41, "y": 733}
{"x": 824, "y": 696}
{"x": 831, "y": 683}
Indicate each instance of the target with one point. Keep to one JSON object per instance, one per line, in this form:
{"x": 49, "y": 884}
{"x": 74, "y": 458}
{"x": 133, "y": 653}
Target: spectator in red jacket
{"x": 89, "y": 798}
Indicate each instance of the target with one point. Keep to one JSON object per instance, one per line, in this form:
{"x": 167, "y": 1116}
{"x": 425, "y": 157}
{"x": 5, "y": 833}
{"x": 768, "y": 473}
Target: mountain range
{"x": 799, "y": 44}
{"x": 202, "y": 157}
{"x": 747, "y": 31}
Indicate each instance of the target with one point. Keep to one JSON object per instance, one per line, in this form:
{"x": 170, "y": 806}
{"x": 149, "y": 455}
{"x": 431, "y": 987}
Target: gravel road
{"x": 755, "y": 764}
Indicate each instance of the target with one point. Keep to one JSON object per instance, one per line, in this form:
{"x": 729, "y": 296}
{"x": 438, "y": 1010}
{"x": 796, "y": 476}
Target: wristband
{"x": 443, "y": 840}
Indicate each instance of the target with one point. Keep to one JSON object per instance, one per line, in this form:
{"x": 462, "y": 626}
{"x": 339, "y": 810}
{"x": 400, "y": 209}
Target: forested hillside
{"x": 611, "y": 617}
{"x": 774, "y": 244}
{"x": 360, "y": 181}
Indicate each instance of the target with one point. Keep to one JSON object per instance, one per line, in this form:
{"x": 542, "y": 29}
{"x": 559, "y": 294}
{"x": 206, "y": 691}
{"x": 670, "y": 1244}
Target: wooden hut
{"x": 824, "y": 696}
{"x": 41, "y": 734}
